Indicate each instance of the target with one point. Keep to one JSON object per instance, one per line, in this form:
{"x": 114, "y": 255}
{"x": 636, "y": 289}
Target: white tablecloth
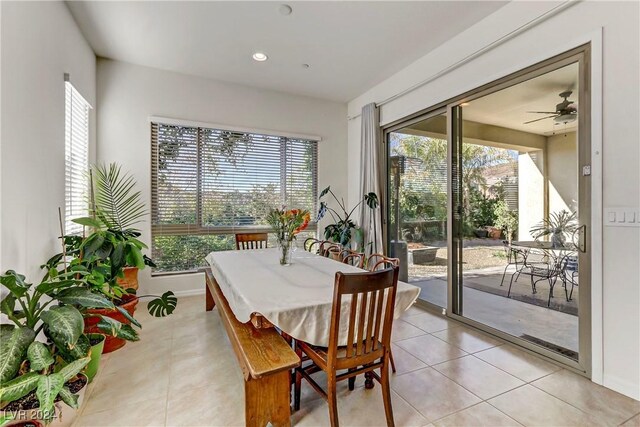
{"x": 297, "y": 298}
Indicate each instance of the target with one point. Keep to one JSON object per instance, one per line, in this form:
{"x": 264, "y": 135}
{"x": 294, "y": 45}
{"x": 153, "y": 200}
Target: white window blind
{"x": 76, "y": 157}
{"x": 208, "y": 184}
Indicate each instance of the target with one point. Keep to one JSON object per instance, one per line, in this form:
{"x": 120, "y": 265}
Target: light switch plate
{"x": 622, "y": 217}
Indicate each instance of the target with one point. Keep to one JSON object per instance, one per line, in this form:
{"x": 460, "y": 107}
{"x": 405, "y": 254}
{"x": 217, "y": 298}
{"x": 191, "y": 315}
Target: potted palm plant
{"x": 558, "y": 226}
{"x": 35, "y": 373}
{"x": 343, "y": 229}
{"x": 101, "y": 257}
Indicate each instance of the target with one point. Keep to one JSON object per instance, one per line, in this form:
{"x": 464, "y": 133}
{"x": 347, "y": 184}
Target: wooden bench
{"x": 265, "y": 359}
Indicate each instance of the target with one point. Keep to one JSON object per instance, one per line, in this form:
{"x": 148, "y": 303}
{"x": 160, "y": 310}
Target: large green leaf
{"x": 48, "y": 388}
{"x": 92, "y": 244}
{"x": 39, "y": 356}
{"x": 65, "y": 324}
{"x": 126, "y": 332}
{"x": 129, "y": 317}
{"x": 163, "y": 306}
{"x": 118, "y": 204}
{"x": 72, "y": 369}
{"x": 12, "y": 352}
{"x": 79, "y": 351}
{"x": 19, "y": 387}
{"x": 15, "y": 283}
{"x": 324, "y": 192}
{"x": 6, "y": 330}
{"x": 69, "y": 398}
{"x": 88, "y": 222}
{"x": 8, "y": 304}
{"x": 53, "y": 285}
{"x": 84, "y": 298}
{"x": 117, "y": 329}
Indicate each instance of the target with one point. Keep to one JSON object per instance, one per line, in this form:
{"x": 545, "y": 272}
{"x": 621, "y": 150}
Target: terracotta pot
{"x": 90, "y": 323}
{"x": 494, "y": 232}
{"x": 130, "y": 279}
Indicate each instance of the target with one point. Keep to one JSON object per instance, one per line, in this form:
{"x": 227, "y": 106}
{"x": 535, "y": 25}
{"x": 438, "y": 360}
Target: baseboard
{"x": 189, "y": 292}
{"x": 625, "y": 387}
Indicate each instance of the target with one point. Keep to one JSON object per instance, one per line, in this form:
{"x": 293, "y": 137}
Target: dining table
{"x": 296, "y": 298}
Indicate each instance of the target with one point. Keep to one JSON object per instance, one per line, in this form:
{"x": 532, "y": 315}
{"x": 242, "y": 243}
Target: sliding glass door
{"x": 489, "y": 206}
{"x": 418, "y": 204}
{"x": 519, "y": 193}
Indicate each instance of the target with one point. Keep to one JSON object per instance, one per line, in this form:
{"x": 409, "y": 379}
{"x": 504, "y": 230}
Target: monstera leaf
{"x": 64, "y": 325}
{"x": 12, "y": 352}
{"x": 163, "y": 306}
{"x": 371, "y": 199}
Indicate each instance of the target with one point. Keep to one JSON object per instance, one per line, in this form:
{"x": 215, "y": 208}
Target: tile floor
{"x": 183, "y": 373}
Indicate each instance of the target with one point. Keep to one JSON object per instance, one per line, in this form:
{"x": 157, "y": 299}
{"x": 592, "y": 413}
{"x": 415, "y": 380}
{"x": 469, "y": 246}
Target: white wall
{"x": 40, "y": 42}
{"x": 128, "y": 95}
{"x": 562, "y": 172}
{"x": 617, "y": 353}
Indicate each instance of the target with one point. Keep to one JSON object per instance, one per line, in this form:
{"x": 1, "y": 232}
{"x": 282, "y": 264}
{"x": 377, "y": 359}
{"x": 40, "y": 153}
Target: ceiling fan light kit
{"x": 566, "y": 111}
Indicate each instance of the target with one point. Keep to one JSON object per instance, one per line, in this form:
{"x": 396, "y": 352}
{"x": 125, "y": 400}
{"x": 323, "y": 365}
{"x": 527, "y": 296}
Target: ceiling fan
{"x": 566, "y": 111}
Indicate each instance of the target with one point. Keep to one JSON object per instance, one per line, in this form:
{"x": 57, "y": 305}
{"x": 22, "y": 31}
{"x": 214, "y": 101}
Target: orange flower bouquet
{"x": 286, "y": 224}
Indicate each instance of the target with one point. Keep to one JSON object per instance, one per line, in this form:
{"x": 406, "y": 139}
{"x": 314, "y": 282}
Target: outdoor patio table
{"x": 297, "y": 298}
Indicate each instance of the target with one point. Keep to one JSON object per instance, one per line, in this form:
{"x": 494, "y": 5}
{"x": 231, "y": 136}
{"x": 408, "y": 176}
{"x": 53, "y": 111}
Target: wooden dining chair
{"x": 312, "y": 245}
{"x": 251, "y": 240}
{"x": 352, "y": 257}
{"x": 377, "y": 262}
{"x": 371, "y": 298}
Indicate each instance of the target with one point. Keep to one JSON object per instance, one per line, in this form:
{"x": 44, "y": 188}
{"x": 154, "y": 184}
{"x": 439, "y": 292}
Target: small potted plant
{"x": 558, "y": 226}
{"x": 343, "y": 229}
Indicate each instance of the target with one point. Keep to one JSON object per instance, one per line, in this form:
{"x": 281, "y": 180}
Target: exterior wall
{"x": 40, "y": 42}
{"x": 128, "y": 95}
{"x": 613, "y": 26}
{"x": 562, "y": 172}
{"x": 530, "y": 192}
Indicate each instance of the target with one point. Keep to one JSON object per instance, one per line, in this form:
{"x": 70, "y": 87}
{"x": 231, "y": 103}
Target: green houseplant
{"x": 506, "y": 219}
{"x": 343, "y": 228}
{"x": 112, "y": 245}
{"x": 35, "y": 374}
{"x": 558, "y": 226}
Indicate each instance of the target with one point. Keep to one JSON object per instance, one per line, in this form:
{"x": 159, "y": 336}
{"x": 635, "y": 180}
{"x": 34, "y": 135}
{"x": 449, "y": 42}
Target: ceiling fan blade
{"x": 543, "y": 112}
{"x": 537, "y": 120}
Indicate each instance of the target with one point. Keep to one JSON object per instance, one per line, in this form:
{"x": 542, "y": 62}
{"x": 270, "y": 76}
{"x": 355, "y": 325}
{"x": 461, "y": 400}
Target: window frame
{"x": 198, "y": 228}
{"x": 72, "y": 159}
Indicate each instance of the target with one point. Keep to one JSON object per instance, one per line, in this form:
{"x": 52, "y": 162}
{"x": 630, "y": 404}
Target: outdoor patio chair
{"x": 570, "y": 275}
{"x": 515, "y": 256}
{"x": 550, "y": 271}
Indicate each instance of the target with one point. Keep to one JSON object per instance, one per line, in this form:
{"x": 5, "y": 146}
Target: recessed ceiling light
{"x": 260, "y": 57}
{"x": 285, "y": 9}
{"x": 464, "y": 104}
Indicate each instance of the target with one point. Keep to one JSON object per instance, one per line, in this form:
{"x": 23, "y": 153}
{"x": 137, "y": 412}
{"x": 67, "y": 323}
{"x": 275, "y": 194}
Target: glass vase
{"x": 284, "y": 252}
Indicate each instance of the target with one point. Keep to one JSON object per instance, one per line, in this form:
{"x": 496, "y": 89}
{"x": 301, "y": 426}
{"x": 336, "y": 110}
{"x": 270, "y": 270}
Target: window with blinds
{"x": 76, "y": 157}
{"x": 208, "y": 184}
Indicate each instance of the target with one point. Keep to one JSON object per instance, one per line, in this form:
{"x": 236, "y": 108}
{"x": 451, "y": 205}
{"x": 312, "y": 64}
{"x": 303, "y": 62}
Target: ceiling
{"x": 508, "y": 107}
{"x": 350, "y": 46}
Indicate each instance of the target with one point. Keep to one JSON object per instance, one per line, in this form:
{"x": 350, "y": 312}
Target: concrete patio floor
{"x": 508, "y": 315}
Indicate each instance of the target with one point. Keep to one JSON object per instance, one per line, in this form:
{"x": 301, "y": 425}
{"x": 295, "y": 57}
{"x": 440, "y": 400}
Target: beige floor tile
{"x": 403, "y": 330}
{"x": 405, "y": 361}
{"x": 479, "y": 377}
{"x": 590, "y": 397}
{"x": 430, "y": 349}
{"x": 413, "y": 311}
{"x": 431, "y": 393}
{"x": 430, "y": 322}
{"x": 633, "y": 422}
{"x": 517, "y": 362}
{"x": 146, "y": 413}
{"x": 186, "y": 374}
{"x": 308, "y": 394}
{"x": 533, "y": 407}
{"x": 360, "y": 407}
{"x": 211, "y": 405}
{"x": 141, "y": 355}
{"x": 467, "y": 339}
{"x": 481, "y": 415}
{"x": 130, "y": 385}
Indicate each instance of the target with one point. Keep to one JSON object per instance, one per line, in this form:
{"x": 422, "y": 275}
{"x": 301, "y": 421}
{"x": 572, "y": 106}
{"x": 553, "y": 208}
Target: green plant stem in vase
{"x": 286, "y": 224}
